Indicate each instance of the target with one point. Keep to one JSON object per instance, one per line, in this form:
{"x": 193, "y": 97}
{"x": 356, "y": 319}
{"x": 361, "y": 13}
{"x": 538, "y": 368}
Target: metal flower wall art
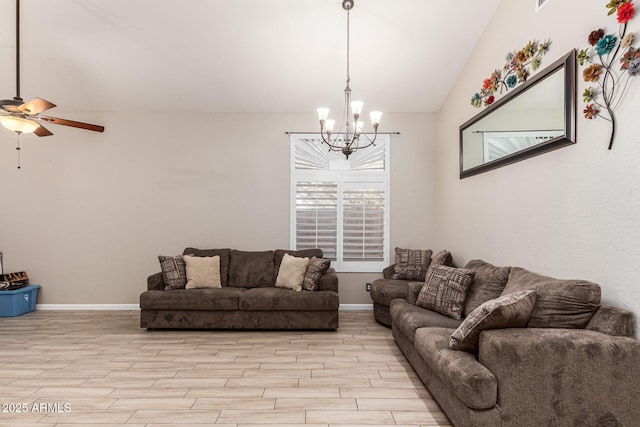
{"x": 515, "y": 71}
{"x": 610, "y": 63}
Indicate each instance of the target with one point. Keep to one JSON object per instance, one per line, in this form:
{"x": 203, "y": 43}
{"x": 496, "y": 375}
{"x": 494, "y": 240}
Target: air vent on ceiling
{"x": 540, "y": 3}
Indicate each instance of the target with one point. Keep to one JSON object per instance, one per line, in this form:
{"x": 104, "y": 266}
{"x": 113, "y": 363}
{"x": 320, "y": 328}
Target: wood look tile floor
{"x": 98, "y": 368}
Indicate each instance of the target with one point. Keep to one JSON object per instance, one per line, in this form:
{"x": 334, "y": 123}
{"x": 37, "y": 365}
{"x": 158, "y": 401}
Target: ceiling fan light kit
{"x": 347, "y": 140}
{"x": 18, "y": 124}
{"x": 24, "y": 117}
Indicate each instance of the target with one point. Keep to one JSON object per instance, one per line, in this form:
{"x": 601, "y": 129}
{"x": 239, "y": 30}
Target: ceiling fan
{"x": 24, "y": 117}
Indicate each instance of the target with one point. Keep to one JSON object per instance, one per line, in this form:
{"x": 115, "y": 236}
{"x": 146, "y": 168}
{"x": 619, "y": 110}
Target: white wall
{"x": 570, "y": 213}
{"x": 88, "y": 214}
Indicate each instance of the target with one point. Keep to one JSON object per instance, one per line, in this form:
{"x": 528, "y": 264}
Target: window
{"x": 339, "y": 205}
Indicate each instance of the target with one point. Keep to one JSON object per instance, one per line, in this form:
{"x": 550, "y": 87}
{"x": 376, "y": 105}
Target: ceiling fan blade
{"x": 35, "y": 106}
{"x": 65, "y": 122}
{"x": 42, "y": 131}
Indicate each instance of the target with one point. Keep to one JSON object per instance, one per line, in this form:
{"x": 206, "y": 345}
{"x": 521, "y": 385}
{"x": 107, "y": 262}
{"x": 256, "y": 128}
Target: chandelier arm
{"x": 371, "y": 142}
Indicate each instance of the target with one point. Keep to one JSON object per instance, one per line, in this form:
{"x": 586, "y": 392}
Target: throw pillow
{"x": 202, "y": 272}
{"x": 224, "y": 259}
{"x": 441, "y": 258}
{"x": 173, "y": 272}
{"x": 302, "y": 253}
{"x": 411, "y": 264}
{"x": 315, "y": 269}
{"x": 251, "y": 269}
{"x": 291, "y": 273}
{"x": 560, "y": 303}
{"x": 508, "y": 311}
{"x": 445, "y": 290}
{"x": 488, "y": 284}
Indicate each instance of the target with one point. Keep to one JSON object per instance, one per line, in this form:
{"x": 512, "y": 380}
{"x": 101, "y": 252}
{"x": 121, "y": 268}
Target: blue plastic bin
{"x": 19, "y": 301}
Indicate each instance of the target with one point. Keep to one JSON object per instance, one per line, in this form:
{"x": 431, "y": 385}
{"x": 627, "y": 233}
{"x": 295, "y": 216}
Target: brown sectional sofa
{"x": 248, "y": 298}
{"x": 576, "y": 363}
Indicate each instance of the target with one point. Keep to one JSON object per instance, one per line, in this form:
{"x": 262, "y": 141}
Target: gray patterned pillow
{"x": 174, "y": 272}
{"x": 445, "y": 290}
{"x": 411, "y": 264}
{"x": 315, "y": 269}
{"x": 508, "y": 311}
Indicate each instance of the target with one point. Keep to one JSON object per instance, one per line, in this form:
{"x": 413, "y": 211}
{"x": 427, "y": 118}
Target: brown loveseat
{"x": 248, "y": 298}
{"x": 576, "y": 362}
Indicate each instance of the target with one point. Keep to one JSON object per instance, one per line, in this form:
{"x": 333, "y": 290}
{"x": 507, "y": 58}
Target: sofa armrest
{"x": 413, "y": 290}
{"x": 563, "y": 376}
{"x": 328, "y": 281}
{"x": 155, "y": 282}
{"x": 613, "y": 321}
{"x": 387, "y": 273}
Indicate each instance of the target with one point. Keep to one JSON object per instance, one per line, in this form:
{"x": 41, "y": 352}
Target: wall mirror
{"x": 536, "y": 117}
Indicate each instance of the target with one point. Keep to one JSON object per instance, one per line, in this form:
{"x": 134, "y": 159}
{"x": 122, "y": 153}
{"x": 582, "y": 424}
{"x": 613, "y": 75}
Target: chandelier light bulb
{"x": 356, "y": 108}
{"x": 323, "y": 114}
{"x": 358, "y": 127}
{"x": 375, "y": 117}
{"x": 329, "y": 125}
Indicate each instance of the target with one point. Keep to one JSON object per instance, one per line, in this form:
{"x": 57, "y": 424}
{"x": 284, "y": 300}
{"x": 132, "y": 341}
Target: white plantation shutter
{"x": 317, "y": 217}
{"x": 363, "y": 223}
{"x": 341, "y": 207}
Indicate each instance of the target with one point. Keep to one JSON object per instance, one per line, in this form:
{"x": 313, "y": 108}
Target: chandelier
{"x": 351, "y": 138}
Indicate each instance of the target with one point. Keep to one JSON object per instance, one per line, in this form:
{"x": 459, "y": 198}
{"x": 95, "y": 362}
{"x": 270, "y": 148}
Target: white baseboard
{"x": 76, "y": 307}
{"x": 355, "y": 307}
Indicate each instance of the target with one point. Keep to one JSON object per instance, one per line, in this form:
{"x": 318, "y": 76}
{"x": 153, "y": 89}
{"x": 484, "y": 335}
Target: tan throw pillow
{"x": 202, "y": 272}
{"x": 411, "y": 264}
{"x": 315, "y": 269}
{"x": 291, "y": 273}
{"x": 445, "y": 291}
{"x": 509, "y": 311}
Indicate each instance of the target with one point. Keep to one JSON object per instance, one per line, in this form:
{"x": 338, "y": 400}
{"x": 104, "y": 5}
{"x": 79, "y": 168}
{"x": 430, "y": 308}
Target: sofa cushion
{"x": 559, "y": 303}
{"x": 411, "y": 264}
{"x": 291, "y": 273}
{"x": 467, "y": 378}
{"x": 303, "y": 253}
{"x": 250, "y": 269}
{"x": 488, "y": 284}
{"x": 408, "y": 318}
{"x": 174, "y": 272}
{"x": 446, "y": 290}
{"x": 202, "y": 272}
{"x": 383, "y": 291}
{"x": 315, "y": 270}
{"x": 222, "y": 299}
{"x": 508, "y": 311}
{"x": 269, "y": 299}
{"x": 224, "y": 260}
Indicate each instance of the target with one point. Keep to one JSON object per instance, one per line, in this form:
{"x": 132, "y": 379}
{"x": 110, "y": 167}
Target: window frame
{"x": 345, "y": 179}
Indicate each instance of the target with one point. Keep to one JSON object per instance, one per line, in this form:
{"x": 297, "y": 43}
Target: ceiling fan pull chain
{"x": 18, "y": 149}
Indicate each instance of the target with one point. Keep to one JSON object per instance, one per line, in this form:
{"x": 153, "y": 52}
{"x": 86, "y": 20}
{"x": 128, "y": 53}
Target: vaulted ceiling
{"x": 238, "y": 55}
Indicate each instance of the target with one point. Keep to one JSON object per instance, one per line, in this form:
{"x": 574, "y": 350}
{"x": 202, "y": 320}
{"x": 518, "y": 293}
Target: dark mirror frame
{"x": 568, "y": 62}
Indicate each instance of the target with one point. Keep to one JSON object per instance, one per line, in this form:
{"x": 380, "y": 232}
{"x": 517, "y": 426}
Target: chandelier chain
{"x": 348, "y": 38}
